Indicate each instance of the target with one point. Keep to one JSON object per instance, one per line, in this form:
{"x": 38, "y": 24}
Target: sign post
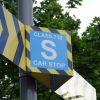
{"x": 27, "y": 83}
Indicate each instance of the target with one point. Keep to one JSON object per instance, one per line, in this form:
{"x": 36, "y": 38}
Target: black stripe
{"x": 20, "y": 47}
{"x": 28, "y": 69}
{"x": 53, "y": 30}
{"x": 36, "y": 28}
{"x": 28, "y": 53}
{"x": 61, "y": 72}
{"x": 28, "y": 36}
{"x": 5, "y": 33}
{"x": 67, "y": 32}
{"x": 70, "y": 64}
{"x": 69, "y": 47}
{"x": 43, "y": 70}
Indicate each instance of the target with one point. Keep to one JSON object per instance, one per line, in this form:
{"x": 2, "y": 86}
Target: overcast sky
{"x": 85, "y": 13}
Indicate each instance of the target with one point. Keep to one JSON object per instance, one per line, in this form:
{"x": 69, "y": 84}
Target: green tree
{"x": 11, "y": 5}
{"x": 74, "y": 3}
{"x": 88, "y": 56}
{"x": 50, "y": 14}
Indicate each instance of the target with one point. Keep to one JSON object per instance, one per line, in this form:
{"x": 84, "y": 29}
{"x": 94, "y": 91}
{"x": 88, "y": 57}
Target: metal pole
{"x": 27, "y": 83}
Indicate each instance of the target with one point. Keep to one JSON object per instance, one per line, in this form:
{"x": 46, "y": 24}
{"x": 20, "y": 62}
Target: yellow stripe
{"x": 44, "y": 29}
{"x": 32, "y": 68}
{"x": 22, "y": 61}
{"x": 62, "y": 32}
{"x": 28, "y": 62}
{"x": 12, "y": 41}
{"x": 0, "y": 28}
{"x": 69, "y": 72}
{"x": 69, "y": 55}
{"x": 51, "y": 71}
{"x": 27, "y": 45}
{"x": 35, "y": 69}
{"x": 68, "y": 38}
{"x": 28, "y": 28}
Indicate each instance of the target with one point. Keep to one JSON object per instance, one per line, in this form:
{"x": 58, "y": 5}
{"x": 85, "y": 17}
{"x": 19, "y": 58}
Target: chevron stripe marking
{"x": 69, "y": 55}
{"x": 69, "y": 47}
{"x": 28, "y": 36}
{"x": 36, "y": 28}
{"x": 22, "y": 63}
{"x": 67, "y": 35}
{"x": 1, "y": 29}
{"x": 61, "y": 31}
{"x": 62, "y": 72}
{"x": 51, "y": 71}
{"x": 69, "y": 72}
{"x": 53, "y": 30}
{"x": 5, "y": 34}
{"x": 43, "y": 29}
{"x": 20, "y": 46}
{"x": 43, "y": 70}
{"x": 68, "y": 38}
{"x": 28, "y": 28}
{"x": 70, "y": 64}
{"x": 28, "y": 45}
{"x": 28, "y": 53}
{"x": 29, "y": 66}
{"x": 35, "y": 70}
{"x": 12, "y": 41}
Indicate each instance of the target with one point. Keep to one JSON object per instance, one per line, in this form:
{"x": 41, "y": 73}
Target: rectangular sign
{"x": 77, "y": 88}
{"x": 48, "y": 50}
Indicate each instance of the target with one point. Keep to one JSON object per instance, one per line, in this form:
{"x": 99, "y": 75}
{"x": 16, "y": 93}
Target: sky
{"x": 86, "y": 12}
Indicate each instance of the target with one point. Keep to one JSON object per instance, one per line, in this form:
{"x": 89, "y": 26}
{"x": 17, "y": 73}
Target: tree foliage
{"x": 11, "y": 5}
{"x": 74, "y": 3}
{"x": 50, "y": 14}
{"x": 87, "y": 54}
{"x": 90, "y": 56}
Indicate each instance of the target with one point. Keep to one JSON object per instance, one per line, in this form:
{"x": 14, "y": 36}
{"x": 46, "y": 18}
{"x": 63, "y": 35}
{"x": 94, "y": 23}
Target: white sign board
{"x": 77, "y": 88}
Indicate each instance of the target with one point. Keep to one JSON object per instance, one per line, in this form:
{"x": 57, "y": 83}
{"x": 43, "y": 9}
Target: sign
{"x": 49, "y": 55}
{"x": 12, "y": 38}
{"x": 48, "y": 50}
{"x": 77, "y": 88}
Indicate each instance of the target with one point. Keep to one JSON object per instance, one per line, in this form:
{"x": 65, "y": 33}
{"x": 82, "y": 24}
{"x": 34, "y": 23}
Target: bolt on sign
{"x": 49, "y": 52}
{"x": 43, "y": 52}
